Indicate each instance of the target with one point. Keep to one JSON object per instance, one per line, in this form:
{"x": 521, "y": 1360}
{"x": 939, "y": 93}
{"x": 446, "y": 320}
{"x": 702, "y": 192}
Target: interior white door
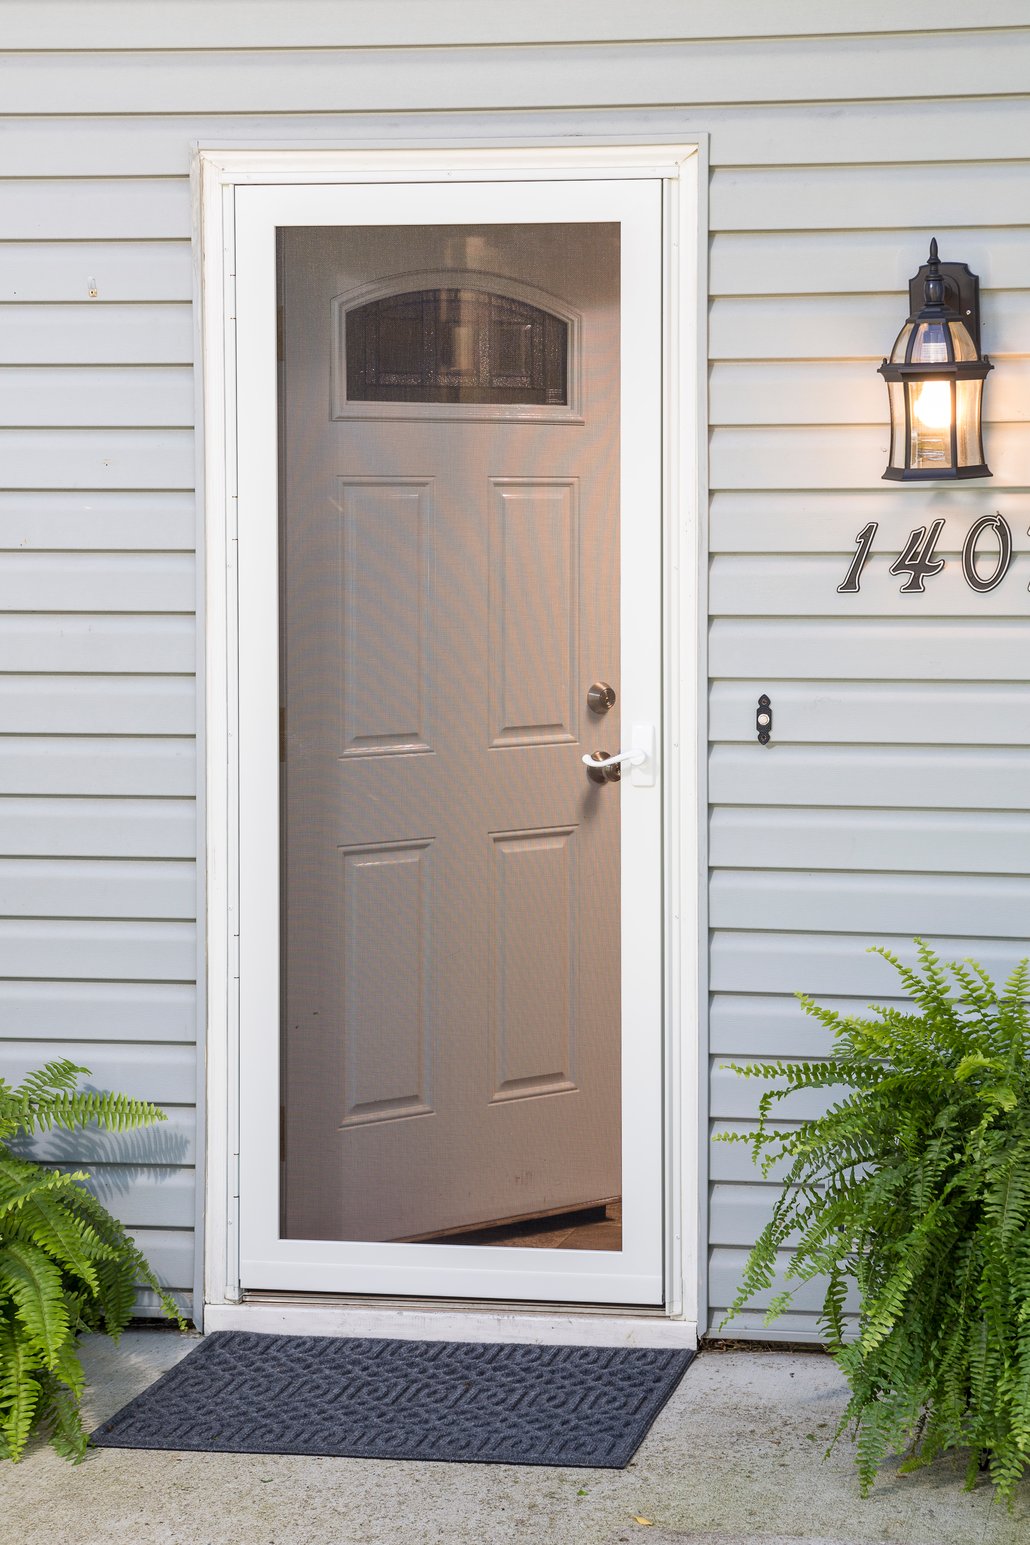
{"x": 450, "y": 961}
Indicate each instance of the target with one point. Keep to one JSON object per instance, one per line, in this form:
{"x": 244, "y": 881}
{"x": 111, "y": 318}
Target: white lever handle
{"x": 629, "y": 758}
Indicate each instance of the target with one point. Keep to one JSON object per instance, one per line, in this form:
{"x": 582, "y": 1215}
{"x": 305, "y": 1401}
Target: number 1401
{"x": 918, "y": 559}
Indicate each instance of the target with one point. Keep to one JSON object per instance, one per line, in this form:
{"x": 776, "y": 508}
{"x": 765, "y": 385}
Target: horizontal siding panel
{"x": 937, "y": 841}
{"x": 832, "y": 456}
{"x": 88, "y": 209}
{"x": 147, "y": 1307}
{"x": 884, "y": 712}
{"x": 97, "y": 888}
{"x": 736, "y": 1098}
{"x": 806, "y": 585}
{"x": 749, "y": 1325}
{"x": 910, "y": 648}
{"x": 162, "y": 1074}
{"x": 825, "y": 198}
{"x": 737, "y": 1214}
{"x": 821, "y": 69}
{"x": 111, "y": 705}
{"x": 96, "y": 334}
{"x": 98, "y": 951}
{"x": 107, "y": 519}
{"x": 726, "y": 1268}
{"x": 109, "y": 397}
{"x": 842, "y": 327}
{"x": 752, "y": 262}
{"x": 762, "y": 520}
{"x": 108, "y": 828}
{"x": 98, "y": 582}
{"x": 772, "y": 1027}
{"x": 921, "y": 777}
{"x": 994, "y": 905}
{"x": 60, "y": 24}
{"x": 835, "y": 963}
{"x": 732, "y": 1162}
{"x": 150, "y": 145}
{"x": 170, "y": 1253}
{"x": 90, "y": 458}
{"x": 97, "y": 1011}
{"x": 82, "y": 764}
{"x": 71, "y": 270}
{"x": 97, "y": 643}
{"x": 836, "y": 392}
{"x": 841, "y": 134}
{"x": 164, "y": 1197}
{"x": 168, "y": 1142}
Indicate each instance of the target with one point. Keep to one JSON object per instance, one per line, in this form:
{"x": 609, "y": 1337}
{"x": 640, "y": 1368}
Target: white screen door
{"x": 449, "y": 475}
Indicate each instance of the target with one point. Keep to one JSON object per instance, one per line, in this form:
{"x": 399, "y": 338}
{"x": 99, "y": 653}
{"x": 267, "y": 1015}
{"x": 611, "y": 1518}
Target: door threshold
{"x": 326, "y": 1314}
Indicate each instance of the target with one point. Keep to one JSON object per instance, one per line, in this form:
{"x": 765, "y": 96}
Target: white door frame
{"x": 217, "y": 172}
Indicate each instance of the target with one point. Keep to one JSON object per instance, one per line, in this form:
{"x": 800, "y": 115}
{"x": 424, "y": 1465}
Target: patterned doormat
{"x": 462, "y": 1402}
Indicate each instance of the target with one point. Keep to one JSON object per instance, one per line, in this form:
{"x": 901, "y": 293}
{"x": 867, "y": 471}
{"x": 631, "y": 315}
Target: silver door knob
{"x": 604, "y": 768}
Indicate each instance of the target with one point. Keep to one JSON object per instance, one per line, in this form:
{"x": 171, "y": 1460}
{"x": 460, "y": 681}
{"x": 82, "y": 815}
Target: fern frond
{"x": 33, "y": 1282}
{"x": 19, "y": 1388}
{"x": 55, "y": 1229}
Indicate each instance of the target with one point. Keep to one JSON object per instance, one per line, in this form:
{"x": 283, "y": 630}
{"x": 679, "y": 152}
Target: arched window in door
{"x": 458, "y": 345}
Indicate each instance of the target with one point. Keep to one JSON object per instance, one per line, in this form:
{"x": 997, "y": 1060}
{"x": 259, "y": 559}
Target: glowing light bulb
{"x": 932, "y": 405}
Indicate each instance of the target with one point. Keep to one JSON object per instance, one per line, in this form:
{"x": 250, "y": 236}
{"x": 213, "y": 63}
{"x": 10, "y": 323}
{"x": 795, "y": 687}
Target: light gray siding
{"x": 895, "y": 796}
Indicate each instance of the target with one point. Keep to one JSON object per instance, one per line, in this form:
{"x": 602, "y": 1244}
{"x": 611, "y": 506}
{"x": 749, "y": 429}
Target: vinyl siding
{"x": 895, "y": 795}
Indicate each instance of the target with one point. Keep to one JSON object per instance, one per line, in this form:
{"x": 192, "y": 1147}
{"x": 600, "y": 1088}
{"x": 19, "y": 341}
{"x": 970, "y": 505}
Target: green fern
{"x": 65, "y": 1264}
{"x": 915, "y": 1188}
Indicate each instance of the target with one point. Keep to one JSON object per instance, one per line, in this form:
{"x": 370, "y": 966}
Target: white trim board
{"x": 308, "y": 1317}
{"x": 217, "y": 172}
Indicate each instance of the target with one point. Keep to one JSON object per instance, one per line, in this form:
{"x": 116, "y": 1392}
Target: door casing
{"x": 217, "y": 173}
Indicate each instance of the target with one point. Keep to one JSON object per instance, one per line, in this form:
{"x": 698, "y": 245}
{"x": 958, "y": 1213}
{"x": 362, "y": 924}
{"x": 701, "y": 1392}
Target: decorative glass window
{"x": 454, "y": 345}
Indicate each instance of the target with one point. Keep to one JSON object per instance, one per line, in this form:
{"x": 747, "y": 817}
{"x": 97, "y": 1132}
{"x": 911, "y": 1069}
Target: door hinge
{"x": 282, "y": 1133}
{"x": 282, "y": 732}
{"x": 279, "y": 334}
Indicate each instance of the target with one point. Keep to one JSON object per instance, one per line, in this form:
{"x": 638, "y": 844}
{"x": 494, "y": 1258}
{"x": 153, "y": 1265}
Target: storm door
{"x": 464, "y": 976}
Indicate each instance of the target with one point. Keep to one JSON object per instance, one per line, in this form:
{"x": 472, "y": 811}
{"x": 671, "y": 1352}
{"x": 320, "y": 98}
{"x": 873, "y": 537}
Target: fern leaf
{"x": 19, "y": 1388}
{"x": 33, "y": 1282}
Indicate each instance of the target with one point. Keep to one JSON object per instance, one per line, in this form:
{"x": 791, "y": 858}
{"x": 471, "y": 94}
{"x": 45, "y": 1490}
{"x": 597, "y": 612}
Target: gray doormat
{"x": 463, "y": 1402}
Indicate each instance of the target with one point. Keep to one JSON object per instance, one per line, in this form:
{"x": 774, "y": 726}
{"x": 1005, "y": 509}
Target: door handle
{"x": 642, "y": 758}
{"x": 603, "y": 768}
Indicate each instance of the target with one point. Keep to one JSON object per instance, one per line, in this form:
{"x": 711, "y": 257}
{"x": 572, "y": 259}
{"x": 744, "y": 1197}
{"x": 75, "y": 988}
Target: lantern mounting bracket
{"x": 961, "y": 294}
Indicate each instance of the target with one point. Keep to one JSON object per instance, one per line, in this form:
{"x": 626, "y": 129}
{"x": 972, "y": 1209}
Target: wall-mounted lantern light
{"x": 935, "y": 378}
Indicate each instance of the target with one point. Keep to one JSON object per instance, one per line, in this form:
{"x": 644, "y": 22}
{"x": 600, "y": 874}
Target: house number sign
{"x": 919, "y": 563}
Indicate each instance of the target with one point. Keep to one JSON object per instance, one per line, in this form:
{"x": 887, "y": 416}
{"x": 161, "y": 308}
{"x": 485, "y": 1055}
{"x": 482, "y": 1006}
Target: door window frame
{"x": 344, "y": 407}
{"x": 216, "y": 174}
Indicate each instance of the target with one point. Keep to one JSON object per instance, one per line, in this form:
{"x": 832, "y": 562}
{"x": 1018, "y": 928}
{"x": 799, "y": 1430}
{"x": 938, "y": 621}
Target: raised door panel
{"x": 386, "y": 555}
{"x": 534, "y": 611}
{"x": 533, "y": 959}
{"x": 386, "y": 1012}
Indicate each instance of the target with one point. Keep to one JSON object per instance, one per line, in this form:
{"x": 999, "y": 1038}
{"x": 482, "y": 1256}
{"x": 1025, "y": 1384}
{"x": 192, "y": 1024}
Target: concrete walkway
{"x": 734, "y": 1457}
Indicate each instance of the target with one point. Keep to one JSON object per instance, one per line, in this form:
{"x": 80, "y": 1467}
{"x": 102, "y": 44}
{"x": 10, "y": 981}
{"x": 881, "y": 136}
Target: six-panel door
{"x": 450, "y": 591}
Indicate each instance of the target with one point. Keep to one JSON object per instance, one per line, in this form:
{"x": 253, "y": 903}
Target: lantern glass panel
{"x": 897, "y": 401}
{"x": 962, "y": 342}
{"x": 930, "y": 344}
{"x": 967, "y": 409}
{"x": 901, "y": 344}
{"x": 930, "y": 410}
